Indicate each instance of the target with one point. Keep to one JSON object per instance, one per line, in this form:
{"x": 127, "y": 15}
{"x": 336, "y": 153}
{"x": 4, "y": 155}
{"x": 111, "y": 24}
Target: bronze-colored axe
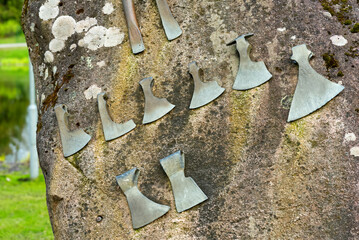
{"x": 134, "y": 32}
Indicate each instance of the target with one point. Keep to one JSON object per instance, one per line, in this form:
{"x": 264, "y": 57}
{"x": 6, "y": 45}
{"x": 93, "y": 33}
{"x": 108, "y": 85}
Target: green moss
{"x": 340, "y": 74}
{"x": 330, "y": 61}
{"x": 347, "y": 22}
{"x": 355, "y": 28}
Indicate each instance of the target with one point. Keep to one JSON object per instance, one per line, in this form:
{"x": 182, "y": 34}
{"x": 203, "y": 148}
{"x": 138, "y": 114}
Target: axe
{"x": 172, "y": 29}
{"x": 134, "y": 32}
{"x": 155, "y": 108}
{"x": 72, "y": 141}
{"x": 250, "y": 74}
{"x": 313, "y": 90}
{"x": 143, "y": 210}
{"x": 186, "y": 192}
{"x": 204, "y": 92}
{"x": 111, "y": 129}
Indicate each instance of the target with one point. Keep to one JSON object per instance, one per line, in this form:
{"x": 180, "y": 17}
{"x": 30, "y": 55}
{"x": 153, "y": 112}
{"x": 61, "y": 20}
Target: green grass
{"x": 23, "y": 212}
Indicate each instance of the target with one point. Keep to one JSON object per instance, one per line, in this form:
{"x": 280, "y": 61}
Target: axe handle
{"x": 133, "y": 28}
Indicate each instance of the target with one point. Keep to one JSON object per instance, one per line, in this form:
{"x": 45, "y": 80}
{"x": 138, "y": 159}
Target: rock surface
{"x": 265, "y": 178}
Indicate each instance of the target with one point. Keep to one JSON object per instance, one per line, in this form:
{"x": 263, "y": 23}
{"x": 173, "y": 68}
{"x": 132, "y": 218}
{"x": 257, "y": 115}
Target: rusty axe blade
{"x": 155, "y": 108}
{"x": 313, "y": 90}
{"x": 204, "y": 92}
{"x": 134, "y": 32}
{"x": 250, "y": 74}
{"x": 143, "y": 210}
{"x": 111, "y": 129}
{"x": 172, "y": 29}
{"x": 72, "y": 141}
{"x": 186, "y": 192}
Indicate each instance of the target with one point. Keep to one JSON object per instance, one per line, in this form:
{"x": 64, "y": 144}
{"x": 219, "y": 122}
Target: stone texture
{"x": 265, "y": 178}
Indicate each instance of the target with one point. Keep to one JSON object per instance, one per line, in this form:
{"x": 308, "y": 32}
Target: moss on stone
{"x": 340, "y": 74}
{"x": 347, "y": 22}
{"x": 355, "y": 28}
{"x": 330, "y": 61}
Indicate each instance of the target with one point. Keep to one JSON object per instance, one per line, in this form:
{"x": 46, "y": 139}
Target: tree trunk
{"x": 265, "y": 178}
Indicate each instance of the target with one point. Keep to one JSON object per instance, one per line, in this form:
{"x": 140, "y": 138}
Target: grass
{"x": 23, "y": 212}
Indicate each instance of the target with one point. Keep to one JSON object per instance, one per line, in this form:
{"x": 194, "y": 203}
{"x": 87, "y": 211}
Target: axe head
{"x": 204, "y": 92}
{"x": 186, "y": 192}
{"x": 72, "y": 141}
{"x": 250, "y": 74}
{"x": 313, "y": 90}
{"x": 143, "y": 210}
{"x": 172, "y": 29}
{"x": 155, "y": 108}
{"x": 111, "y": 129}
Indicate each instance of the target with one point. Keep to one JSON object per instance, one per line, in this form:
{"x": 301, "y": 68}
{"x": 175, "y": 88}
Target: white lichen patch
{"x": 293, "y": 37}
{"x": 84, "y": 25}
{"x": 350, "y": 137}
{"x": 354, "y": 151}
{"x": 101, "y": 64}
{"x": 41, "y": 69}
{"x": 73, "y": 46}
{"x": 338, "y": 40}
{"x": 113, "y": 37}
{"x": 88, "y": 61}
{"x": 32, "y": 27}
{"x": 92, "y": 92}
{"x": 54, "y": 70}
{"x": 49, "y": 57}
{"x": 108, "y": 8}
{"x": 56, "y": 45}
{"x": 46, "y": 73}
{"x": 49, "y": 9}
{"x": 63, "y": 27}
{"x": 281, "y": 29}
{"x": 100, "y": 36}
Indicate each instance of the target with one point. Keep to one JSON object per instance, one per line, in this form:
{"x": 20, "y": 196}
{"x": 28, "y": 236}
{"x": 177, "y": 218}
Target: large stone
{"x": 265, "y": 178}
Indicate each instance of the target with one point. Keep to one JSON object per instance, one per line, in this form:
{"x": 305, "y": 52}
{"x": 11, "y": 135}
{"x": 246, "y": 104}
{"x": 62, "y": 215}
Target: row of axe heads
{"x": 170, "y": 25}
{"x": 186, "y": 192}
{"x": 312, "y": 92}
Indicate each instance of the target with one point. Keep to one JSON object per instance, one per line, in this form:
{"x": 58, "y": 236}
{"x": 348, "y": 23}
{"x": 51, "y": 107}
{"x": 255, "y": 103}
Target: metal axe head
{"x": 313, "y": 90}
{"x": 250, "y": 74}
{"x": 143, "y": 210}
{"x": 72, "y": 141}
{"x": 186, "y": 192}
{"x": 134, "y": 32}
{"x": 204, "y": 92}
{"x": 111, "y": 129}
{"x": 155, "y": 108}
{"x": 172, "y": 29}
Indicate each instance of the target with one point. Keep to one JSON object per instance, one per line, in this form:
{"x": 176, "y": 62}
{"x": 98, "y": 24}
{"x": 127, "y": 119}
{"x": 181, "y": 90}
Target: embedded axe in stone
{"x": 186, "y": 192}
{"x": 143, "y": 210}
{"x": 72, "y": 141}
{"x": 250, "y": 74}
{"x": 111, "y": 129}
{"x": 134, "y": 32}
{"x": 155, "y": 108}
{"x": 172, "y": 29}
{"x": 204, "y": 92}
{"x": 313, "y": 90}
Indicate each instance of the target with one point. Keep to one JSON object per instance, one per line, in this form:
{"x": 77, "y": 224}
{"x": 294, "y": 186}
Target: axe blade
{"x": 313, "y": 90}
{"x": 204, "y": 92}
{"x": 72, "y": 141}
{"x": 111, "y": 129}
{"x": 170, "y": 25}
{"x": 186, "y": 192}
{"x": 250, "y": 74}
{"x": 143, "y": 210}
{"x": 155, "y": 108}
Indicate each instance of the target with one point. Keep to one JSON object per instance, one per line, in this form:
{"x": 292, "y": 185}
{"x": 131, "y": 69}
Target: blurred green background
{"x": 23, "y": 212}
